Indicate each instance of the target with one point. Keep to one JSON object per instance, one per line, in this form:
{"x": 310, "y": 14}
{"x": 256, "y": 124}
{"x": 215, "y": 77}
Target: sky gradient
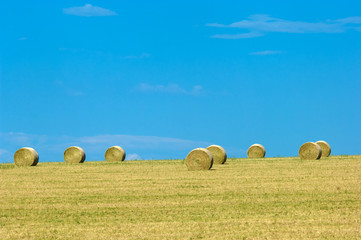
{"x": 161, "y": 78}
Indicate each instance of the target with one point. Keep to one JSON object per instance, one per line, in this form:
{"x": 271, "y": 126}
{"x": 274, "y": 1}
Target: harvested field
{"x": 268, "y": 198}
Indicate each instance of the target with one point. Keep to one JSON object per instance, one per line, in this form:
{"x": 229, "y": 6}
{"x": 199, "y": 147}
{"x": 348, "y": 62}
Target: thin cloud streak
{"x": 170, "y": 89}
{"x": 3, "y": 151}
{"x": 133, "y": 156}
{"x": 88, "y": 10}
{"x": 259, "y": 25}
{"x": 141, "y": 56}
{"x": 238, "y": 36}
{"x": 51, "y": 148}
{"x": 266, "y": 52}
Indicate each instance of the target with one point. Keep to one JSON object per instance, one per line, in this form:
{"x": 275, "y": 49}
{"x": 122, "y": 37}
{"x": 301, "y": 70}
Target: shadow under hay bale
{"x": 218, "y": 153}
{"x": 325, "y": 147}
{"x": 310, "y": 151}
{"x": 26, "y": 156}
{"x": 256, "y": 151}
{"x": 114, "y": 154}
{"x": 199, "y": 159}
{"x": 74, "y": 155}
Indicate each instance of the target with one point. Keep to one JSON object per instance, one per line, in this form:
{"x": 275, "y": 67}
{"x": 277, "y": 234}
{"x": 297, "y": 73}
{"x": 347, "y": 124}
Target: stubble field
{"x": 270, "y": 198}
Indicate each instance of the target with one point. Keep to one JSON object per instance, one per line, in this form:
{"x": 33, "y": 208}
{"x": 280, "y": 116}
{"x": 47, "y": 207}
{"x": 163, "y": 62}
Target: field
{"x": 270, "y": 198}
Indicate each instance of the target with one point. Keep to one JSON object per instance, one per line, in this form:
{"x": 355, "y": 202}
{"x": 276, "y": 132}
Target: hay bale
{"x": 256, "y": 151}
{"x": 310, "y": 151}
{"x": 114, "y": 154}
{"x": 26, "y": 156}
{"x": 218, "y": 153}
{"x": 199, "y": 159}
{"x": 74, "y": 155}
{"x": 325, "y": 147}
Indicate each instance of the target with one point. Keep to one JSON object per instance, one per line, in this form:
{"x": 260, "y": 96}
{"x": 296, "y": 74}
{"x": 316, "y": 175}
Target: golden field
{"x": 269, "y": 198}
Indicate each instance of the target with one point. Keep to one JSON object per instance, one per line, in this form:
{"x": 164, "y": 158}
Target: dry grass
{"x": 269, "y": 198}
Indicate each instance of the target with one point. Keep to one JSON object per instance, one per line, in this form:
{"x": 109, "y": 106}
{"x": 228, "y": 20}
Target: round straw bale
{"x": 74, "y": 155}
{"x": 26, "y": 157}
{"x": 114, "y": 154}
{"x": 256, "y": 151}
{"x": 325, "y": 147}
{"x": 199, "y": 159}
{"x": 310, "y": 151}
{"x": 218, "y": 153}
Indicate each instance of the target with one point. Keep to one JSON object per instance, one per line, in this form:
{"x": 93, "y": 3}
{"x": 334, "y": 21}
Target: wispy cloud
{"x": 141, "y": 56}
{"x": 69, "y": 90}
{"x": 132, "y": 141}
{"x": 51, "y": 148}
{"x": 74, "y": 93}
{"x": 88, "y": 10}
{"x": 133, "y": 156}
{"x": 102, "y": 53}
{"x": 22, "y": 38}
{"x": 3, "y": 151}
{"x": 238, "y": 36}
{"x": 170, "y": 88}
{"x": 266, "y": 52}
{"x": 259, "y": 25}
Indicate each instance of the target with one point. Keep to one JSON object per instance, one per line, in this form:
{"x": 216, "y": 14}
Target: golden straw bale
{"x": 199, "y": 159}
{"x": 74, "y": 155}
{"x": 325, "y": 147}
{"x": 256, "y": 151}
{"x": 310, "y": 151}
{"x": 26, "y": 156}
{"x": 218, "y": 153}
{"x": 114, "y": 154}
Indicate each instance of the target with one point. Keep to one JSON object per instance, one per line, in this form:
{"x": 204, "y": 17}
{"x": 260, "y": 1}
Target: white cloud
{"x": 3, "y": 151}
{"x": 259, "y": 25}
{"x": 141, "y": 56}
{"x": 266, "y": 52}
{"x": 23, "y": 138}
{"x": 74, "y": 93}
{"x": 51, "y": 148}
{"x": 131, "y": 141}
{"x": 23, "y": 39}
{"x": 170, "y": 88}
{"x": 88, "y": 11}
{"x": 238, "y": 36}
{"x": 133, "y": 156}
{"x": 351, "y": 20}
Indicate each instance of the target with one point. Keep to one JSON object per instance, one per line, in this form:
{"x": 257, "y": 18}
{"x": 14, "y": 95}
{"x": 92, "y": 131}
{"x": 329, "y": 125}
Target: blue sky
{"x": 160, "y": 78}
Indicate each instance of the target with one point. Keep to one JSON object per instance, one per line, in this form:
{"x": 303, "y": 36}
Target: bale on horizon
{"x": 218, "y": 153}
{"x": 256, "y": 151}
{"x": 114, "y": 154}
{"x": 325, "y": 147}
{"x": 199, "y": 159}
{"x": 26, "y": 156}
{"x": 74, "y": 154}
{"x": 310, "y": 151}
